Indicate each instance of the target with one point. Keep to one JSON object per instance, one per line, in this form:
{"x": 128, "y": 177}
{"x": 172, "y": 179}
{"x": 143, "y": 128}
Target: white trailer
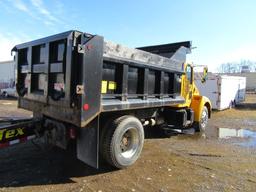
{"x": 7, "y": 74}
{"x": 224, "y": 91}
{"x": 7, "y": 78}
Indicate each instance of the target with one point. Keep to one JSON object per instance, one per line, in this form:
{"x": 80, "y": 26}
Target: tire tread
{"x": 108, "y": 145}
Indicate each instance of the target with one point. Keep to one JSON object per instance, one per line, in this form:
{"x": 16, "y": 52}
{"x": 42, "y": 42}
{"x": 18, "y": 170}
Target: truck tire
{"x": 123, "y": 141}
{"x": 201, "y": 125}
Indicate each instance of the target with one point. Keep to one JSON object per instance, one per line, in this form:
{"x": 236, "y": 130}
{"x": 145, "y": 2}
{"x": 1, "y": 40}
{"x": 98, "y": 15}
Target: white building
{"x": 245, "y": 69}
{"x": 7, "y": 74}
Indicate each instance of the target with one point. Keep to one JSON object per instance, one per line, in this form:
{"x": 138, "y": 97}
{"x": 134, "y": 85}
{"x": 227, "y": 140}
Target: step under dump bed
{"x": 74, "y": 76}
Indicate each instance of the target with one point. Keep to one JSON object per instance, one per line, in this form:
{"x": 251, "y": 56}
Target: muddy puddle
{"x": 241, "y": 137}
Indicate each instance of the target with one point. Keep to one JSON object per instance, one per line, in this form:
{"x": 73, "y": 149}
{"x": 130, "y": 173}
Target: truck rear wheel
{"x": 123, "y": 141}
{"x": 201, "y": 125}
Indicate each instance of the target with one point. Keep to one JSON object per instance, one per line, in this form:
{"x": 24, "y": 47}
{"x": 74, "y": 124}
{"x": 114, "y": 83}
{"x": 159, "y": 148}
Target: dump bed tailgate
{"x": 43, "y": 68}
{"x": 44, "y": 75}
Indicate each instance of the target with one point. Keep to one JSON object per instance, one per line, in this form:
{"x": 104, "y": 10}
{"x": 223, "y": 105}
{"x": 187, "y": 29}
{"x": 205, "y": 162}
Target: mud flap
{"x": 88, "y": 144}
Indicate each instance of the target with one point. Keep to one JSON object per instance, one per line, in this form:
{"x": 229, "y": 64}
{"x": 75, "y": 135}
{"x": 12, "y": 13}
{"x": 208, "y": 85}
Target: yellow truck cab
{"x": 201, "y": 105}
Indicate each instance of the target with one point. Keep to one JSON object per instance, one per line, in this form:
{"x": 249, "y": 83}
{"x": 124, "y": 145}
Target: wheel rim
{"x": 129, "y": 142}
{"x": 204, "y": 118}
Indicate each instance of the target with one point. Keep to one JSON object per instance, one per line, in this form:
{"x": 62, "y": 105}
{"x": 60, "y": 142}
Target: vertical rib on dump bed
{"x": 74, "y": 76}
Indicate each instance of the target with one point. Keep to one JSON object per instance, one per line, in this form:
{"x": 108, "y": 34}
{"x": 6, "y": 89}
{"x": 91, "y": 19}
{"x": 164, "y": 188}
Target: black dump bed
{"x": 74, "y": 76}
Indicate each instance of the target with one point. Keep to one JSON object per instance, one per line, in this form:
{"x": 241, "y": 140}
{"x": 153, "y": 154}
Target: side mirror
{"x": 205, "y": 74}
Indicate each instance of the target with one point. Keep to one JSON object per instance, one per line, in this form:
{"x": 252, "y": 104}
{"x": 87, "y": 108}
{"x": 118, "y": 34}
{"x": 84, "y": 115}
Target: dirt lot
{"x": 221, "y": 160}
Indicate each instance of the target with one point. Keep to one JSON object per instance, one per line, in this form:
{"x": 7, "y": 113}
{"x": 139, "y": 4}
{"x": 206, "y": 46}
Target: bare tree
{"x": 235, "y": 67}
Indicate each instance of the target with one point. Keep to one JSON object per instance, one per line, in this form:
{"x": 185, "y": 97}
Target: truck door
{"x": 187, "y": 84}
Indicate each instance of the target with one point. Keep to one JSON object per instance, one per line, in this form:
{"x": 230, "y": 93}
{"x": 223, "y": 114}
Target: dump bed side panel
{"x": 135, "y": 79}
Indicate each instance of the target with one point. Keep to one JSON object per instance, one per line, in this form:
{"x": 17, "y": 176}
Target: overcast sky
{"x": 222, "y": 30}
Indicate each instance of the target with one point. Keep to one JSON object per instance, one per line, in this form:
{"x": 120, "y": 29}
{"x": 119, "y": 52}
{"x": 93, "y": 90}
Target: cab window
{"x": 189, "y": 73}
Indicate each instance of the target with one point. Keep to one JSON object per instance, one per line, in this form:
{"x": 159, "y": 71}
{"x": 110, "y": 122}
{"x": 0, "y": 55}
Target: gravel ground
{"x": 183, "y": 162}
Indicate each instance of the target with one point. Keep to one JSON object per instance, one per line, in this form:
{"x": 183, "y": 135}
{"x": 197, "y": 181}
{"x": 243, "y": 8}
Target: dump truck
{"x": 100, "y": 95}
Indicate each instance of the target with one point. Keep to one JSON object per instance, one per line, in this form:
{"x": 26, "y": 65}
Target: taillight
{"x": 86, "y": 107}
